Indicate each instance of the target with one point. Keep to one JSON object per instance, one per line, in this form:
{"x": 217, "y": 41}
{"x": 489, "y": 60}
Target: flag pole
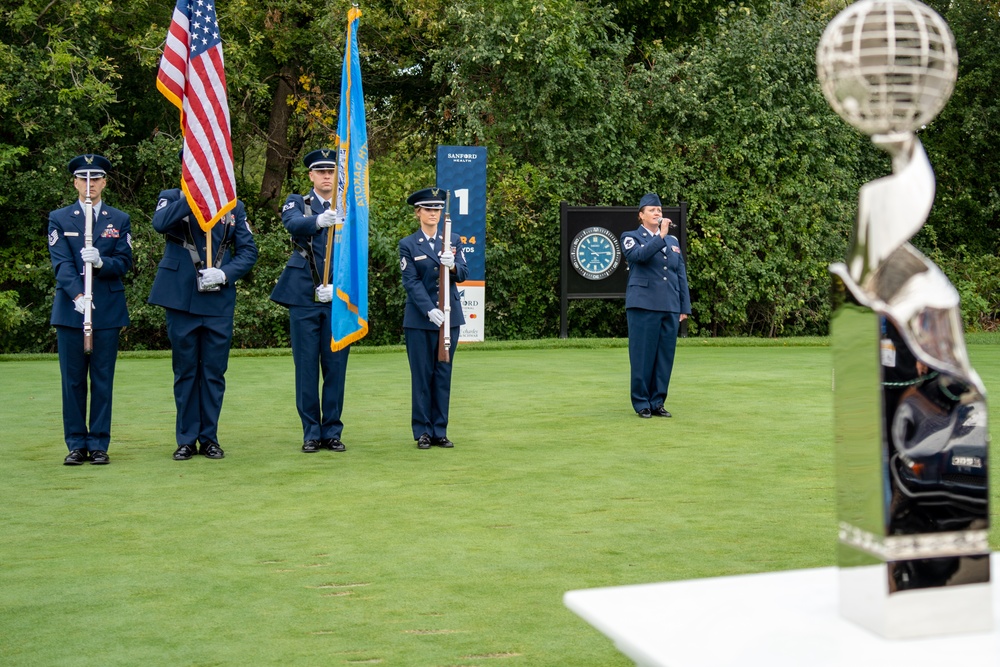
{"x": 331, "y": 232}
{"x": 208, "y": 248}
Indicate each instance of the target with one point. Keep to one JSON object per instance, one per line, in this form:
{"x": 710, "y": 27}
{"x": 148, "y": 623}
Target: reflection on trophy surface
{"x": 910, "y": 412}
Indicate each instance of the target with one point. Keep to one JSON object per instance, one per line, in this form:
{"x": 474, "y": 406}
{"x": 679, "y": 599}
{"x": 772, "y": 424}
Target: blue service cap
{"x": 323, "y": 158}
{"x": 433, "y": 198}
{"x": 650, "y": 199}
{"x": 89, "y": 164}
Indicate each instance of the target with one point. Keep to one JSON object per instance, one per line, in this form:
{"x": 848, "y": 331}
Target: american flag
{"x": 192, "y": 76}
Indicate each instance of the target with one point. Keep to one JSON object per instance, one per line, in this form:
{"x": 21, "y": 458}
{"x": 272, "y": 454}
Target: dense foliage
{"x": 714, "y": 102}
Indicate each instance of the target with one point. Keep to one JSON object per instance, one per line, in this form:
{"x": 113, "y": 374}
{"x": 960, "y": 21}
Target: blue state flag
{"x": 349, "y": 320}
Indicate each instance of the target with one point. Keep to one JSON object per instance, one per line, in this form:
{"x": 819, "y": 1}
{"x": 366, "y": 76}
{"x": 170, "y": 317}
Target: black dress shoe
{"x": 184, "y": 452}
{"x": 334, "y": 444}
{"x": 442, "y": 442}
{"x": 75, "y": 457}
{"x": 212, "y": 451}
{"x": 424, "y": 441}
{"x": 99, "y": 458}
{"x": 645, "y": 413}
{"x": 310, "y": 446}
{"x": 661, "y": 412}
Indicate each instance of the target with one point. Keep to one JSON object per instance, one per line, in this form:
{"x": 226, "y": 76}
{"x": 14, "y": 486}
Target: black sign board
{"x": 592, "y": 266}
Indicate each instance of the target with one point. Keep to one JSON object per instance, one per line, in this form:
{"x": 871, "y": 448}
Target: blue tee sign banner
{"x": 462, "y": 171}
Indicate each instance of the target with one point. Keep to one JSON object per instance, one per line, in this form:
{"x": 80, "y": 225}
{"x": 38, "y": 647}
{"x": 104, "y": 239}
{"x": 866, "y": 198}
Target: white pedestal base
{"x": 775, "y": 619}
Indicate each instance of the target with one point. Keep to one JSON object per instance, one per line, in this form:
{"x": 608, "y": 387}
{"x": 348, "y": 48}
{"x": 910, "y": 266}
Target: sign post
{"x": 462, "y": 171}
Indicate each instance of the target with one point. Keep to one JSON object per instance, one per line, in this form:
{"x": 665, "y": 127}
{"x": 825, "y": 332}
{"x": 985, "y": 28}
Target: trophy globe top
{"x": 887, "y": 66}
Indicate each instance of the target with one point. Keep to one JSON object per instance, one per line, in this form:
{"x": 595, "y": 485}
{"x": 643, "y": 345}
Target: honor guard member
{"x": 199, "y": 296}
{"x": 300, "y": 289}
{"x": 420, "y": 257}
{"x": 656, "y": 301}
{"x": 110, "y": 257}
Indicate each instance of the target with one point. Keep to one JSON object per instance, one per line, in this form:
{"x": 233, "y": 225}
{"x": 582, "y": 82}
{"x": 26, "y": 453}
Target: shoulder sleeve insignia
{"x": 402, "y": 262}
{"x": 160, "y": 204}
{"x": 247, "y": 223}
{"x": 287, "y": 206}
{"x": 53, "y": 237}
{"x": 628, "y": 242}
{"x": 128, "y": 239}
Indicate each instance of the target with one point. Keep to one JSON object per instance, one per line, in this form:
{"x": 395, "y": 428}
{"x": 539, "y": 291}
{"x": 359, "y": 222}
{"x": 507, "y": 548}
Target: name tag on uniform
{"x": 419, "y": 257}
{"x": 71, "y": 233}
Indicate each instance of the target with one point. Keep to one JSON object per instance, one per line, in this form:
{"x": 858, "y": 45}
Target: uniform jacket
{"x": 112, "y": 236}
{"x": 420, "y": 279}
{"x": 657, "y": 278}
{"x": 297, "y": 283}
{"x": 175, "y": 285}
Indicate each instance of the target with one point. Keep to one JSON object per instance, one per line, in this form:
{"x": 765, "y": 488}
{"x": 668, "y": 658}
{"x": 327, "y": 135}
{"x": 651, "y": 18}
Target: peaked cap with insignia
{"x": 433, "y": 198}
{"x": 323, "y": 158}
{"x": 89, "y": 164}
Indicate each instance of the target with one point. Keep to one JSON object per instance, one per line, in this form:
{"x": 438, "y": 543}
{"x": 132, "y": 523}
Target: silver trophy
{"x": 909, "y": 411}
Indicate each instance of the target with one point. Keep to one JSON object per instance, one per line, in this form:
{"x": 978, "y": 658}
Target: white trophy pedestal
{"x": 775, "y": 619}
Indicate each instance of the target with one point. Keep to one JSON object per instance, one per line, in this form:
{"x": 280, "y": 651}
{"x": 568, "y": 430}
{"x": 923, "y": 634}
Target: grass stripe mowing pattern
{"x": 393, "y": 556}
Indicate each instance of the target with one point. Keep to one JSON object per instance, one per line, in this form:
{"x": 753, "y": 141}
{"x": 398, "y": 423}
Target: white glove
{"x": 212, "y": 276}
{"x": 326, "y": 219}
{"x": 448, "y": 259}
{"x": 80, "y": 304}
{"x": 436, "y": 316}
{"x": 92, "y": 255}
{"x": 324, "y": 293}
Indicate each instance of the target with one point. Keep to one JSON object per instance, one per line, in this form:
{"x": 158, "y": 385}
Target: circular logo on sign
{"x": 595, "y": 253}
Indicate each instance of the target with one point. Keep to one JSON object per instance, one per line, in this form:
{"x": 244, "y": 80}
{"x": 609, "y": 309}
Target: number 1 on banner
{"x": 463, "y": 201}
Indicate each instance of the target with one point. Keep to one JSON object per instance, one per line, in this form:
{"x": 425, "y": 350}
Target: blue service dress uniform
{"x": 430, "y": 379}
{"x": 112, "y": 236}
{"x": 199, "y": 324}
{"x": 655, "y": 297}
{"x": 310, "y": 322}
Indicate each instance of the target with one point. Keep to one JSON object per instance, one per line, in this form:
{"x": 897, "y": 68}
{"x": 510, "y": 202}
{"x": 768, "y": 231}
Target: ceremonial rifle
{"x": 88, "y": 274}
{"x": 444, "y": 288}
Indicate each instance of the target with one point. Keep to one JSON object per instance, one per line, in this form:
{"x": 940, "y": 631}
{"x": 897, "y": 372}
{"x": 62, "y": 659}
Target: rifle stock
{"x": 444, "y": 289}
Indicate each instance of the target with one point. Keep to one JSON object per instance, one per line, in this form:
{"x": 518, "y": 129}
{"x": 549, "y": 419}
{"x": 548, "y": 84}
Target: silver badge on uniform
{"x": 160, "y": 204}
{"x": 53, "y": 237}
{"x": 628, "y": 242}
{"x": 128, "y": 239}
{"x": 402, "y": 263}
{"x": 287, "y": 206}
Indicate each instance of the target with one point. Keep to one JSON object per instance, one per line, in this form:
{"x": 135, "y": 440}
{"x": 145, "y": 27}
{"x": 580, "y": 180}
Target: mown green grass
{"x": 390, "y": 555}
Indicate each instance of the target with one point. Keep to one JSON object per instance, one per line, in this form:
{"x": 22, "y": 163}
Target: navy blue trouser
{"x": 430, "y": 381}
{"x": 652, "y": 341}
{"x": 76, "y": 368}
{"x": 311, "y": 334}
{"x": 200, "y": 352}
